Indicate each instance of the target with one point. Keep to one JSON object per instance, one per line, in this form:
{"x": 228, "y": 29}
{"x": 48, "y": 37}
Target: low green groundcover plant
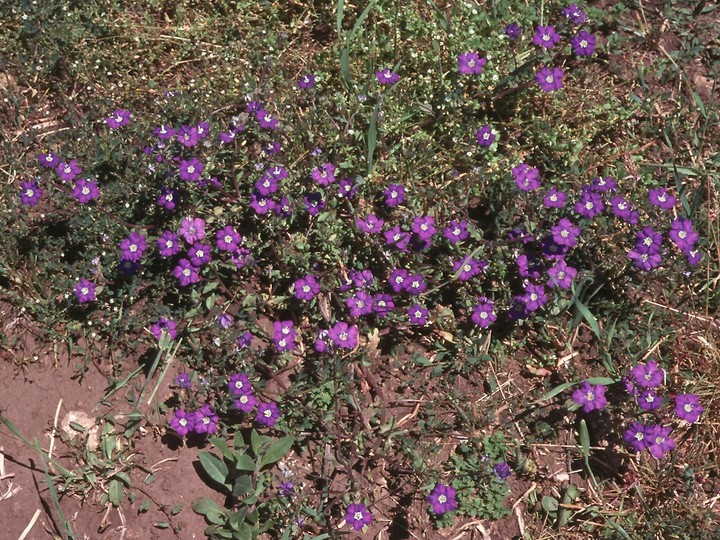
{"x": 388, "y": 196}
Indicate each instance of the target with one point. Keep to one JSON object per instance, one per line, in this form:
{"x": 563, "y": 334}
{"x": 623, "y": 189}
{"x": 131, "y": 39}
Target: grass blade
{"x": 372, "y": 137}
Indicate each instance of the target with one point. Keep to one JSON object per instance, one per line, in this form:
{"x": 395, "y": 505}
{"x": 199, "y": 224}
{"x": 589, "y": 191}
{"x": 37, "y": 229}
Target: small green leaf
{"x": 204, "y": 506}
{"x": 243, "y": 462}
{"x": 557, "y": 390}
{"x": 77, "y": 427}
{"x": 144, "y": 507}
{"x": 276, "y": 451}
{"x": 549, "y": 504}
{"x": 243, "y": 486}
{"x": 584, "y": 440}
{"x": 214, "y": 467}
{"x": 176, "y": 509}
{"x": 123, "y": 477}
{"x": 115, "y": 492}
{"x": 161, "y": 525}
{"x": 149, "y": 479}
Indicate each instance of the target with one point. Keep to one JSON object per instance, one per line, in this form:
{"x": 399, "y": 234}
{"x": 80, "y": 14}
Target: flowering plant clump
{"x": 321, "y": 231}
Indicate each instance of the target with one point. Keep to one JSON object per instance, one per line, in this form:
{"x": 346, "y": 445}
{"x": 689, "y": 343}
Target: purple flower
{"x": 225, "y": 320}
{"x": 347, "y": 188}
{"x": 324, "y": 175}
{"x": 693, "y": 257}
{"x": 502, "y": 470}
{"x": 512, "y": 30}
{"x": 286, "y": 489}
{"x": 526, "y": 177}
{"x": 344, "y": 336}
{"x": 550, "y": 79}
{"x": 360, "y": 304}
{"x": 398, "y": 279}
{"x": 574, "y": 14}
{"x": 183, "y": 381}
{"x": 583, "y": 44}
{"x": 636, "y": 436}
{"x": 67, "y": 171}
{"x": 306, "y": 82}
{"x": 192, "y": 229}
{"x": 265, "y": 119}
{"x": 164, "y": 325}
{"x": 241, "y": 258}
{"x": 484, "y": 312}
{"x": 382, "y": 305}
{"x": 397, "y": 238}
{"x": 456, "y": 231}
{"x": 228, "y": 239}
{"x": 267, "y": 414}
{"x": 470, "y": 63}
{"x": 188, "y": 136}
{"x": 85, "y": 190}
{"x": 239, "y": 384}
{"x": 565, "y": 233}
{"x": 622, "y": 209}
{"x": 682, "y": 234}
{"x": 119, "y": 118}
{"x": 529, "y": 266}
{"x": 244, "y": 340}
{"x": 645, "y": 260}
{"x": 561, "y": 275}
{"x": 485, "y": 136}
{"x": 545, "y": 36}
{"x": 169, "y": 244}
{"x": 659, "y": 440}
{"x": 30, "y": 193}
{"x": 660, "y": 198}
{"x": 534, "y": 297}
{"x": 306, "y": 288}
{"x": 203, "y": 129}
{"x": 267, "y": 184}
{"x": 591, "y": 397}
{"x": 314, "y": 203}
{"x": 245, "y": 402}
{"x": 648, "y": 241}
{"x": 164, "y": 132}
{"x": 387, "y": 77}
{"x": 394, "y": 194}
{"x": 442, "y": 499}
{"x": 424, "y": 226}
{"x": 50, "y": 160}
{"x": 648, "y": 400}
{"x": 191, "y": 169}
{"x": 418, "y": 314}
{"x": 183, "y": 422}
{"x": 415, "y": 284}
{"x": 358, "y": 516}
{"x": 551, "y": 250}
{"x": 261, "y": 204}
{"x": 371, "y": 224}
{"x": 185, "y": 273}
{"x": 554, "y": 199}
{"x": 468, "y": 268}
{"x": 602, "y": 185}
{"x": 589, "y": 205}
{"x": 362, "y": 278}
{"x": 85, "y": 291}
{"x": 648, "y": 375}
{"x": 133, "y": 247}
{"x": 284, "y": 335}
{"x": 168, "y": 198}
{"x": 127, "y": 268}
{"x": 688, "y": 408}
{"x": 206, "y": 421}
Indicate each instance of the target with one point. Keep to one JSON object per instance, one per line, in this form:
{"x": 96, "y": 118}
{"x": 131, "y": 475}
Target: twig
{"x": 30, "y": 525}
{"x": 54, "y": 431}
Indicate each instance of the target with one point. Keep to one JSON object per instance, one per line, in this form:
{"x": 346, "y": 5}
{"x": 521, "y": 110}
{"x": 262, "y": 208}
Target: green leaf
{"x": 115, "y": 492}
{"x": 176, "y": 509}
{"x": 243, "y": 462}
{"x": 161, "y": 525}
{"x": 584, "y": 440}
{"x": 557, "y": 390}
{"x": 605, "y": 381}
{"x": 340, "y": 16}
{"x": 238, "y": 518}
{"x": 549, "y": 504}
{"x": 214, "y": 467}
{"x": 123, "y": 477}
{"x": 243, "y": 486}
{"x": 204, "y": 506}
{"x": 372, "y": 137}
{"x": 256, "y": 442}
{"x": 276, "y": 451}
{"x": 221, "y": 445}
{"x": 144, "y": 507}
